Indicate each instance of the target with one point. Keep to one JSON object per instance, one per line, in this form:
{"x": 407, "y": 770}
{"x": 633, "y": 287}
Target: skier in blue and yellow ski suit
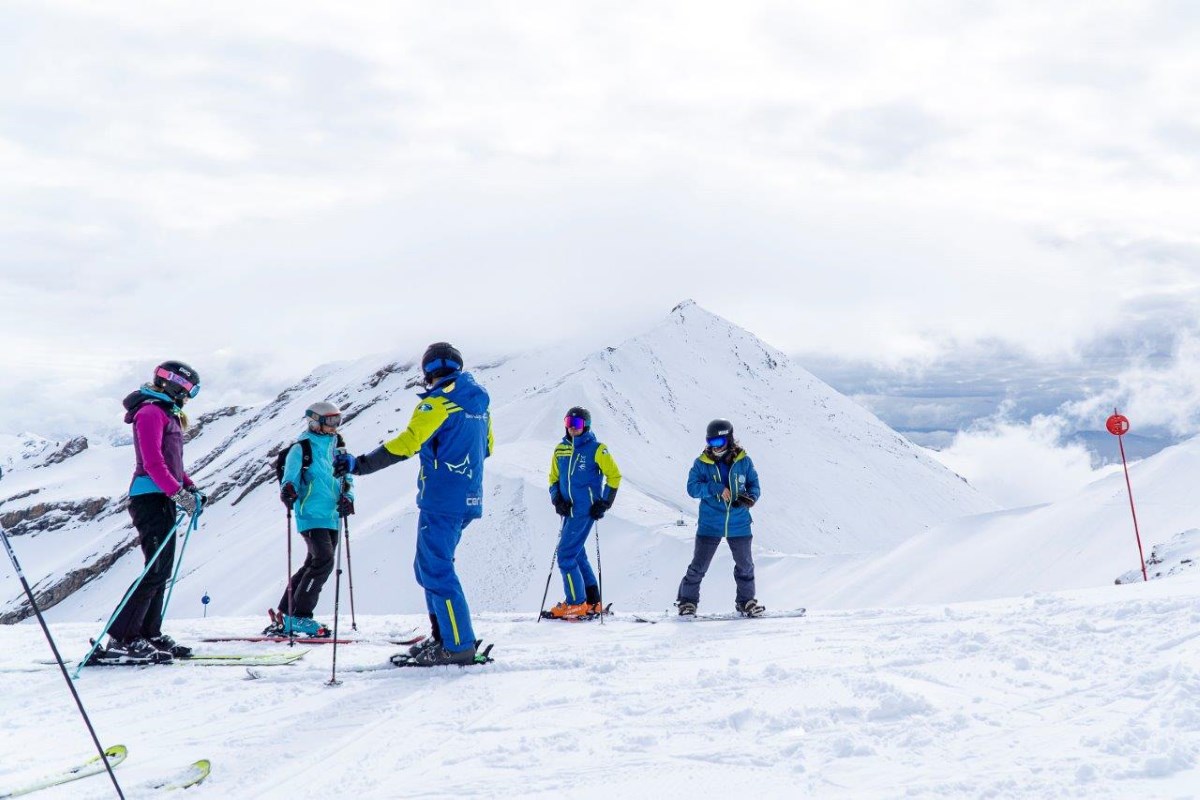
{"x": 579, "y": 470}
{"x": 451, "y": 430}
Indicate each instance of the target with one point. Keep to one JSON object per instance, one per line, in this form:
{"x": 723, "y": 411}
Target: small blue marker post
{"x": 205, "y": 600}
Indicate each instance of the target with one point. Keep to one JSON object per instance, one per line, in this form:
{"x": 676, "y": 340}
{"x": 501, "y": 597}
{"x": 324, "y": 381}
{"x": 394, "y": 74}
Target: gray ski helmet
{"x": 719, "y": 434}
{"x": 440, "y": 359}
{"x": 176, "y": 380}
{"x": 576, "y": 413}
{"x": 323, "y": 414}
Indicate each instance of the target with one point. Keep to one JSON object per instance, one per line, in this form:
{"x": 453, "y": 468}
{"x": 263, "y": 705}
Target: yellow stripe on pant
{"x": 453, "y": 621}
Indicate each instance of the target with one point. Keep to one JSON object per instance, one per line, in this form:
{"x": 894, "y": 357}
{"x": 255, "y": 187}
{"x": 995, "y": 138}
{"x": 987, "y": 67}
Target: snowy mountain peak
{"x": 835, "y": 479}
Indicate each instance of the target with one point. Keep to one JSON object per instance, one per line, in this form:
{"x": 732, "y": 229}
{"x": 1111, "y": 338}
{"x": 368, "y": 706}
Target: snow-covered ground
{"x": 1091, "y": 693}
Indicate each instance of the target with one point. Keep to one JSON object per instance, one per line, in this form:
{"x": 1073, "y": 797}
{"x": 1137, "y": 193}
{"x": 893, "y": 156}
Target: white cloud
{"x": 310, "y": 181}
{"x": 1020, "y": 464}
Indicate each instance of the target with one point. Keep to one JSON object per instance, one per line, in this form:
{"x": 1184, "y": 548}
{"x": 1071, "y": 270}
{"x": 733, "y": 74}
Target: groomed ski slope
{"x": 1090, "y": 693}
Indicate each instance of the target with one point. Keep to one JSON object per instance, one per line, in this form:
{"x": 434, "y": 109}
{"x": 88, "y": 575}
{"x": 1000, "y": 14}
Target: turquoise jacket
{"x": 718, "y": 518}
{"x": 318, "y": 490}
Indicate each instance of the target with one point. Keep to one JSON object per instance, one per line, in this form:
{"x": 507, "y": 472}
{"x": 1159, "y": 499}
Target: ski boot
{"x": 304, "y": 626}
{"x": 750, "y": 608}
{"x": 439, "y": 656}
{"x": 168, "y": 645}
{"x": 686, "y": 608}
{"x": 565, "y": 610}
{"x": 130, "y": 652}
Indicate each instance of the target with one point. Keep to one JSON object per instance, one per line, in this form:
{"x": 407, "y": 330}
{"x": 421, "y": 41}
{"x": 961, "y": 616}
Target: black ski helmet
{"x": 440, "y": 359}
{"x": 176, "y": 380}
{"x": 578, "y": 412}
{"x": 719, "y": 429}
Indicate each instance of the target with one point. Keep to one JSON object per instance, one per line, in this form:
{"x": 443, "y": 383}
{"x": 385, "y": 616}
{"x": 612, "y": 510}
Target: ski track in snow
{"x": 1094, "y": 693}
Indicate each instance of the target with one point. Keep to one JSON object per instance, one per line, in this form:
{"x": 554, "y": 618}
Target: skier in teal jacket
{"x": 319, "y": 500}
{"x": 725, "y": 482}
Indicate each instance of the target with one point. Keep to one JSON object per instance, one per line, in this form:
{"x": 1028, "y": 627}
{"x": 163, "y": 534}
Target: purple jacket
{"x": 158, "y": 445}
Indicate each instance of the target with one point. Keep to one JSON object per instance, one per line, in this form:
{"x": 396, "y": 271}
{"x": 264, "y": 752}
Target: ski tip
{"x": 116, "y": 754}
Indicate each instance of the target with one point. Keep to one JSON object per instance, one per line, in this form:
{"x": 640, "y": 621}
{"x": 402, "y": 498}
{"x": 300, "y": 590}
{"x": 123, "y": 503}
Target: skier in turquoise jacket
{"x": 319, "y": 500}
{"x": 725, "y": 482}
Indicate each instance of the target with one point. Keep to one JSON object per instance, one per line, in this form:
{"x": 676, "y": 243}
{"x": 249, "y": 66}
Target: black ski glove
{"x": 744, "y": 500}
{"x": 288, "y": 495}
{"x": 600, "y": 507}
{"x": 563, "y": 506}
{"x": 345, "y": 506}
{"x": 201, "y": 497}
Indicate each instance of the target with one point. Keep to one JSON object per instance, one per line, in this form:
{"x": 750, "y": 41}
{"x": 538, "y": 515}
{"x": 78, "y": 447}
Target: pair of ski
{"x": 196, "y": 772}
{"x": 796, "y": 612}
{"x": 313, "y": 640}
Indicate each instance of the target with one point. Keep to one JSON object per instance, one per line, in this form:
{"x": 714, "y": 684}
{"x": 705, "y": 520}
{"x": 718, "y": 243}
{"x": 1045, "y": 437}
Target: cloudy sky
{"x": 261, "y": 187}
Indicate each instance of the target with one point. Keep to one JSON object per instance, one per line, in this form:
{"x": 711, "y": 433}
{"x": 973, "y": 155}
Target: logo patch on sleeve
{"x": 425, "y": 407}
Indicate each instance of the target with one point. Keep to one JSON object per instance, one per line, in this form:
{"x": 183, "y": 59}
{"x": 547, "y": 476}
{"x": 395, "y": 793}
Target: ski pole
{"x": 337, "y": 591}
{"x": 1118, "y": 426}
{"x": 129, "y": 594}
{"x": 550, "y": 574}
{"x": 291, "y": 591}
{"x": 183, "y": 549}
{"x": 599, "y": 573}
{"x": 349, "y": 566}
{"x": 54, "y": 648}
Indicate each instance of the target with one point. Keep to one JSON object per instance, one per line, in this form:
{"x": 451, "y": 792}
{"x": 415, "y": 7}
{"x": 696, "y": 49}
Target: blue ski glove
{"x": 344, "y": 464}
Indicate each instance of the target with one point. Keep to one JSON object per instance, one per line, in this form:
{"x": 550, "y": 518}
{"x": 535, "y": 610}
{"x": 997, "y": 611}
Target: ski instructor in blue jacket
{"x": 451, "y": 430}
{"x": 725, "y": 482}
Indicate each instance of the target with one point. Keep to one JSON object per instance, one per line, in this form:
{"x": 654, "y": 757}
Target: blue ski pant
{"x": 572, "y": 558}
{"x": 437, "y": 537}
{"x": 702, "y": 556}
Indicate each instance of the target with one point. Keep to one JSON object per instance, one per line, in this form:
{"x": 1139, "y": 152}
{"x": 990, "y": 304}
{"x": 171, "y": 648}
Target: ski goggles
{"x": 192, "y": 389}
{"x": 326, "y": 420}
{"x": 717, "y": 442}
{"x": 574, "y": 423}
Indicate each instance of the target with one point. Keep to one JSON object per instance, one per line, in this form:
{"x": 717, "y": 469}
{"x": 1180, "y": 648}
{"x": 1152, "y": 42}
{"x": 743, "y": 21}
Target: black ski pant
{"x": 310, "y": 578}
{"x": 154, "y": 517}
{"x": 743, "y": 567}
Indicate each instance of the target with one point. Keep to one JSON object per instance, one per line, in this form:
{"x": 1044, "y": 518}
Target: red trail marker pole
{"x": 1118, "y": 426}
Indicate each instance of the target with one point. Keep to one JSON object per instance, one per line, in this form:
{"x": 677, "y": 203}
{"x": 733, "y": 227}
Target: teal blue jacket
{"x": 717, "y": 517}
{"x": 318, "y": 490}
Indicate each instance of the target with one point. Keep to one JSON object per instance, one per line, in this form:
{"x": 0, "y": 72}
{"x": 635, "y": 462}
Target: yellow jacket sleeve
{"x": 608, "y": 466}
{"x": 491, "y": 439}
{"x": 427, "y": 417}
{"x": 554, "y": 468}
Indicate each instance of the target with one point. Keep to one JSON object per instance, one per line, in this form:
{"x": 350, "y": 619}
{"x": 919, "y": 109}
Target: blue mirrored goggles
{"x": 575, "y": 423}
{"x": 192, "y": 389}
{"x": 717, "y": 442}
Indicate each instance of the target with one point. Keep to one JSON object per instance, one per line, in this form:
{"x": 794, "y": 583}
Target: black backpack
{"x": 305, "y": 453}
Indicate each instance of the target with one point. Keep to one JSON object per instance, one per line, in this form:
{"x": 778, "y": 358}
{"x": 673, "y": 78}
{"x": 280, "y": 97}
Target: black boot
{"x": 168, "y": 645}
{"x": 440, "y": 656}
